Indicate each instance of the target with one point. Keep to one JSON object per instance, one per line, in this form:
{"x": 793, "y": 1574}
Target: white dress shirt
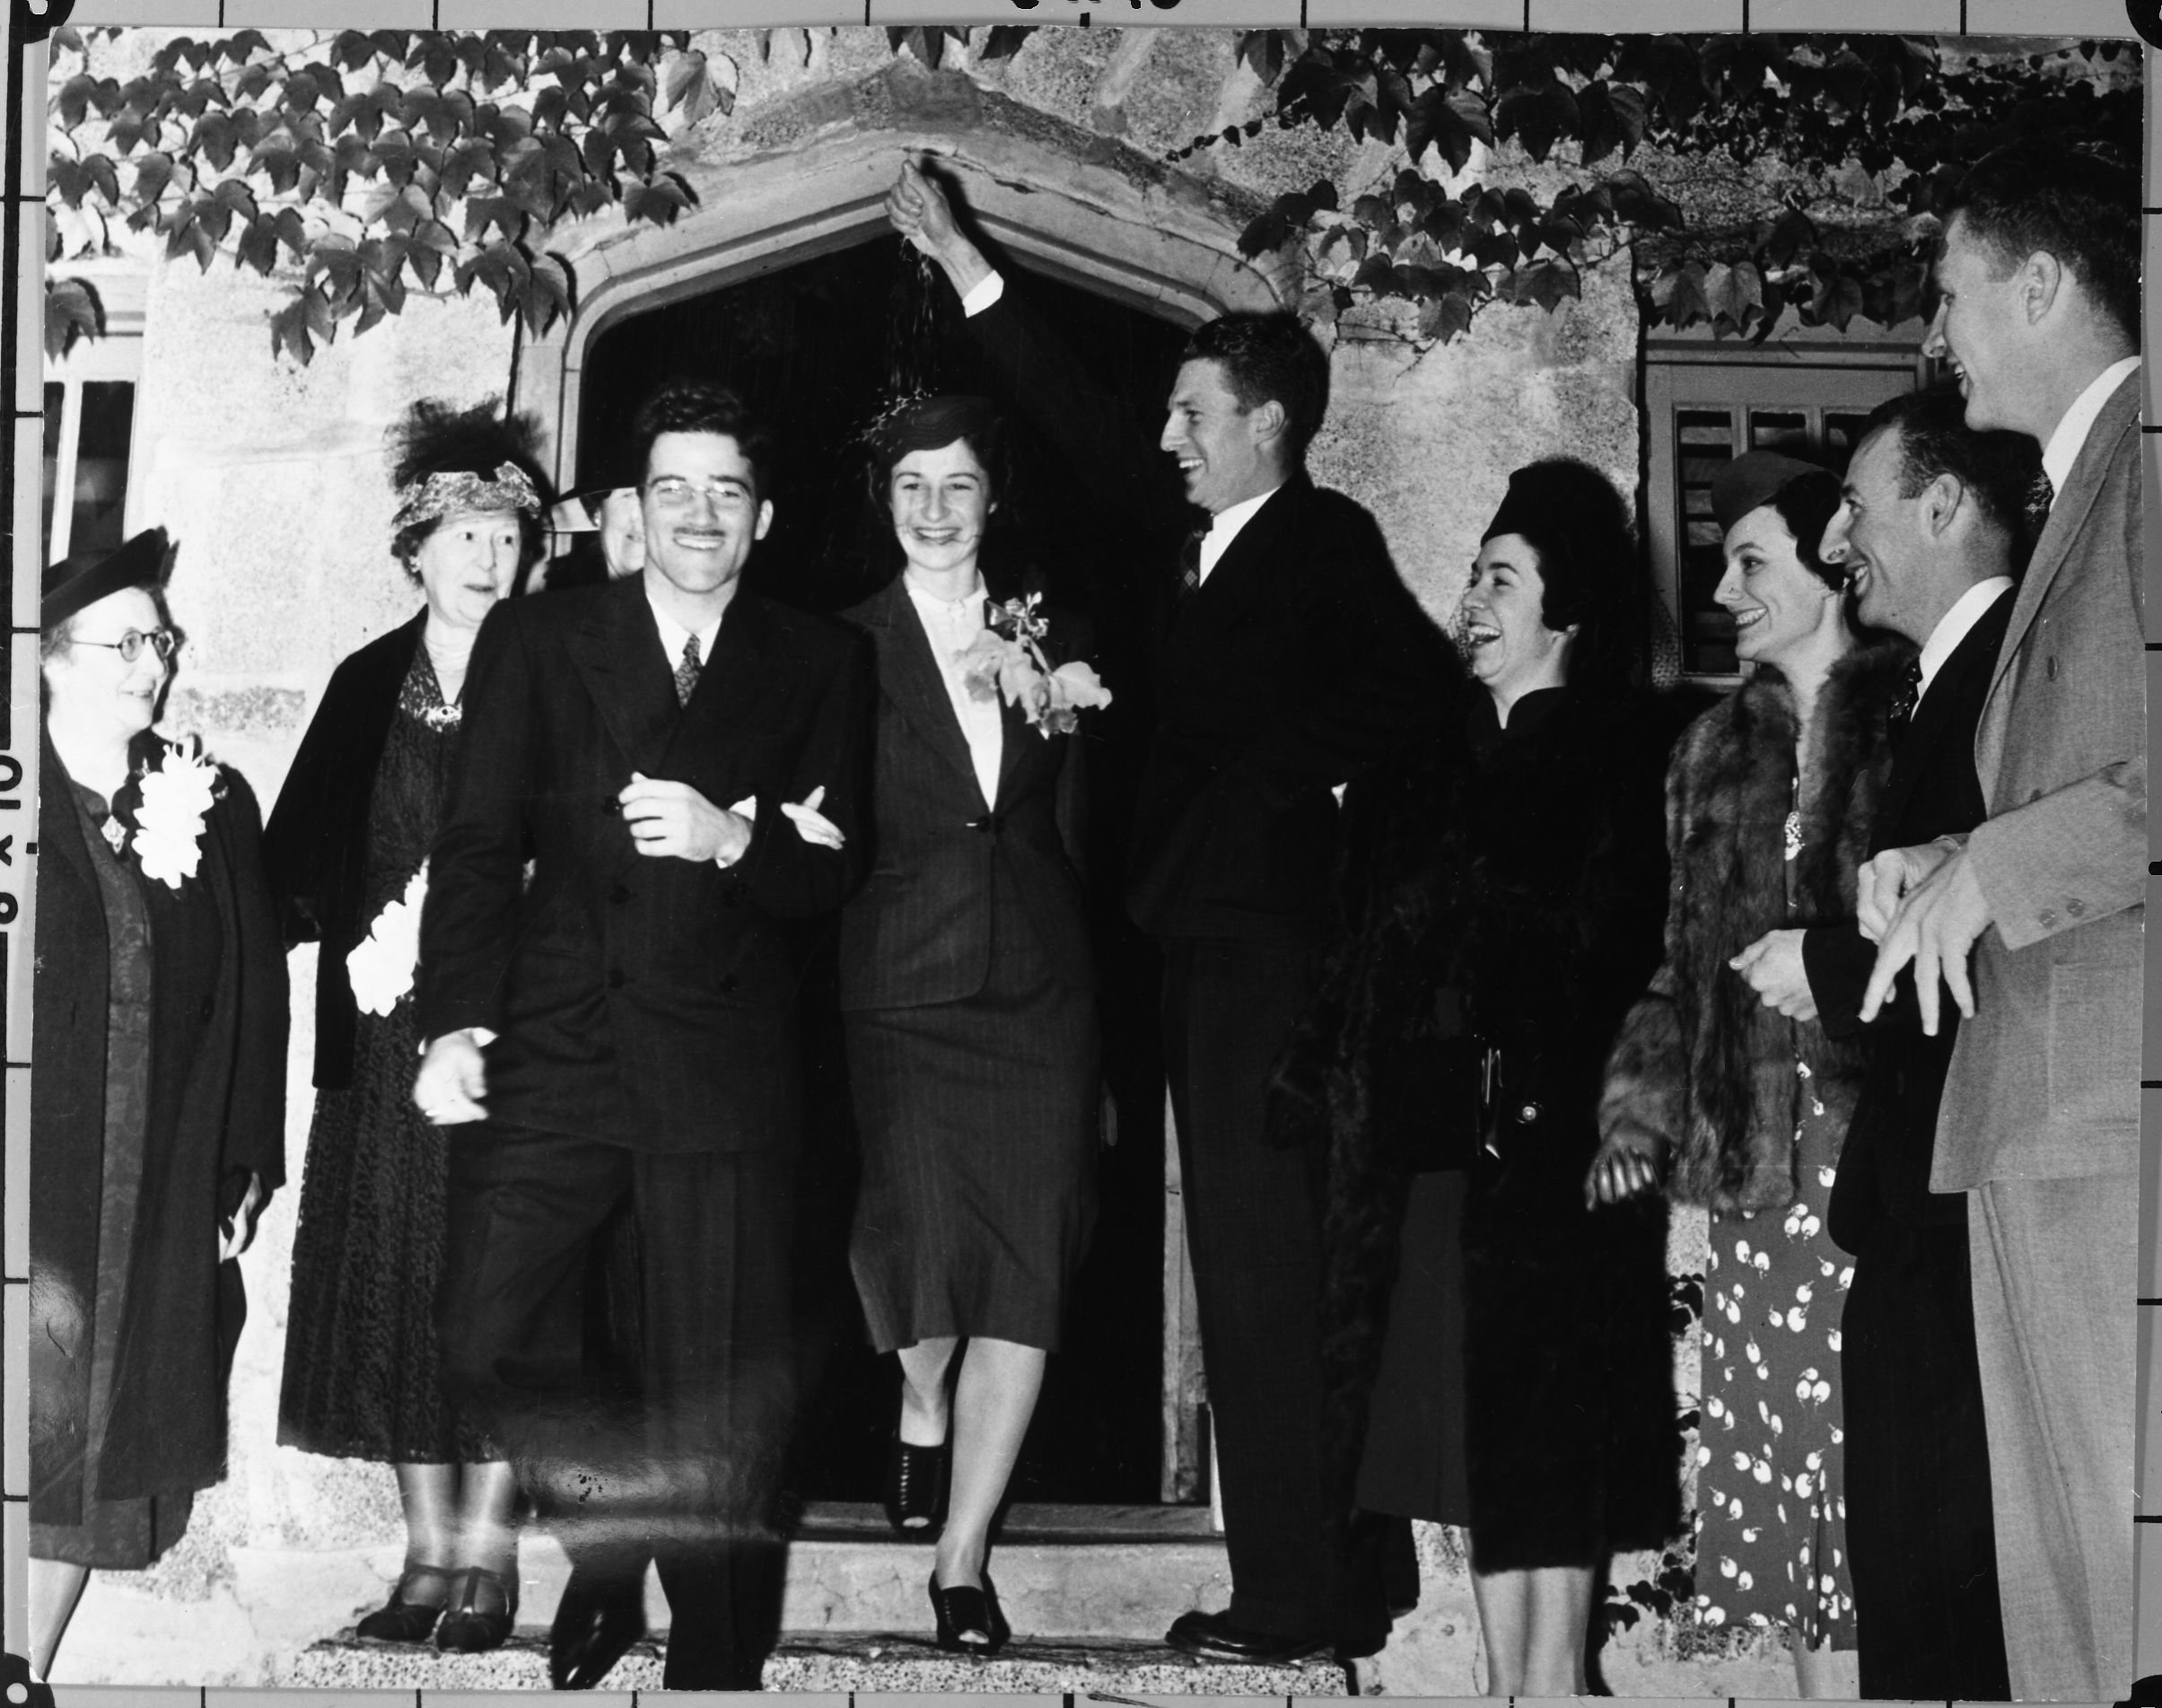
{"x": 673, "y": 634}
{"x": 1953, "y": 626}
{"x": 951, "y": 626}
{"x": 2065, "y": 444}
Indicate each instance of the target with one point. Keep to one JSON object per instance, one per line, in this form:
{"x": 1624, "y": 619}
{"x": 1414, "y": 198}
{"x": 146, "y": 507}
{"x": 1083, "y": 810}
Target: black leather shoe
{"x": 969, "y": 1621}
{"x": 410, "y": 1617}
{"x": 600, "y": 1616}
{"x": 916, "y": 1488}
{"x": 1212, "y": 1636}
{"x": 480, "y": 1616}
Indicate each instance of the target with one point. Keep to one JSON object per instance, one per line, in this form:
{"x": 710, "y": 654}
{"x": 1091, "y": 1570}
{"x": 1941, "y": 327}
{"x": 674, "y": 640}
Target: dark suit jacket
{"x": 920, "y": 930}
{"x": 315, "y": 847}
{"x": 1933, "y": 791}
{"x": 1302, "y": 660}
{"x": 643, "y": 1001}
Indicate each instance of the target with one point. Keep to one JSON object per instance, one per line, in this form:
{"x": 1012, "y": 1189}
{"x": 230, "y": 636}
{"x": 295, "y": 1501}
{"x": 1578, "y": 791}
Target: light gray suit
{"x": 2040, "y": 1122}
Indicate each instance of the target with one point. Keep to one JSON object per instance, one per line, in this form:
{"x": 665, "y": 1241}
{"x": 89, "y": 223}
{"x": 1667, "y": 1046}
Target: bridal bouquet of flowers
{"x": 381, "y": 965}
{"x": 1008, "y": 658}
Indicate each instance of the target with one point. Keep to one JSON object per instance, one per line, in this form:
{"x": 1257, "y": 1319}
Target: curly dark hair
{"x": 437, "y": 438}
{"x": 699, "y": 405}
{"x": 930, "y": 424}
{"x": 1581, "y": 529}
{"x": 1807, "y": 504}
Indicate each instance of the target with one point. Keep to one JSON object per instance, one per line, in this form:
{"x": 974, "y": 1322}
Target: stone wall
{"x": 272, "y": 477}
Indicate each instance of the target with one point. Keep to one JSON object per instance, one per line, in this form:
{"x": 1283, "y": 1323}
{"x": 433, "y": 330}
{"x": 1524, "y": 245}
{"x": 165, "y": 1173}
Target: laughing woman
{"x": 1744, "y": 1106}
{"x": 158, "y": 1109}
{"x": 967, "y": 992}
{"x": 1500, "y": 898}
{"x": 345, "y": 850}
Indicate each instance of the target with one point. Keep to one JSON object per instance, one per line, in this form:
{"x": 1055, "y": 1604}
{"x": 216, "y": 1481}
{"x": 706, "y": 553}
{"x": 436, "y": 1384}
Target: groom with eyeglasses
{"x": 618, "y": 1023}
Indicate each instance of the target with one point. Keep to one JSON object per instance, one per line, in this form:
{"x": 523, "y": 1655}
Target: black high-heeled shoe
{"x": 403, "y": 1618}
{"x": 916, "y": 1488}
{"x": 468, "y": 1626}
{"x": 963, "y": 1609}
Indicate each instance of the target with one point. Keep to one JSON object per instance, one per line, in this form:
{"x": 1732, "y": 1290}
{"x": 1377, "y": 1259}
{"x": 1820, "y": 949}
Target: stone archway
{"x": 811, "y": 177}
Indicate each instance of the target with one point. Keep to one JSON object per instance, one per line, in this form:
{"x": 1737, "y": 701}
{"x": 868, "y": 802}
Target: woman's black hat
{"x": 80, "y": 580}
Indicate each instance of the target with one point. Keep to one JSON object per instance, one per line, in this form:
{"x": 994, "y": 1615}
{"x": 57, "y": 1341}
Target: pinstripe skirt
{"x": 978, "y": 1122}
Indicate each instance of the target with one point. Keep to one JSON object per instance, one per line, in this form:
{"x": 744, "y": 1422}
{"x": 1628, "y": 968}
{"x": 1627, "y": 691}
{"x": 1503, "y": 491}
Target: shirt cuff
{"x": 983, "y": 293}
{"x": 482, "y": 1035}
{"x": 746, "y": 808}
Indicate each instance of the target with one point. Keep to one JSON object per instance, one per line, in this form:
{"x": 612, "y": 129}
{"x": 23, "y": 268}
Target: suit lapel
{"x": 748, "y": 669}
{"x": 1235, "y": 582}
{"x": 2068, "y": 515}
{"x": 1920, "y": 751}
{"x": 617, "y": 654}
{"x": 909, "y": 676}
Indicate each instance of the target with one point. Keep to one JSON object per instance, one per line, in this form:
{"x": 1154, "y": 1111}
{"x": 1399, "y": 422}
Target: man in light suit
{"x": 619, "y": 1026}
{"x": 2040, "y": 1122}
{"x": 1289, "y": 657}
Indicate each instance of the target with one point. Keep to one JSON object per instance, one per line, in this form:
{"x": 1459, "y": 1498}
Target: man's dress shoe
{"x": 599, "y": 1618}
{"x": 1212, "y": 1636}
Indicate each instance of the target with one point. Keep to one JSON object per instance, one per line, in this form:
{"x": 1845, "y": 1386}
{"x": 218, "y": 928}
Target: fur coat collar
{"x": 1702, "y": 1070}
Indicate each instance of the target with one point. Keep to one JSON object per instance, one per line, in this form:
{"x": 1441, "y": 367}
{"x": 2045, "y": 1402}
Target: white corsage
{"x": 381, "y": 965}
{"x": 1008, "y": 658}
{"x": 175, "y": 798}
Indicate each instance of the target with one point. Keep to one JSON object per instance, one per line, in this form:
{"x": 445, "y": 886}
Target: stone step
{"x": 1095, "y": 1571}
{"x": 1103, "y": 1667}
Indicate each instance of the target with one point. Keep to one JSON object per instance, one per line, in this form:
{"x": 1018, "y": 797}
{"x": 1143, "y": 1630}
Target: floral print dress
{"x": 1771, "y": 1525}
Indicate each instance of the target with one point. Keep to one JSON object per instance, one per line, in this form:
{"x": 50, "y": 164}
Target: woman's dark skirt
{"x": 978, "y": 1122}
{"x": 1527, "y": 1385}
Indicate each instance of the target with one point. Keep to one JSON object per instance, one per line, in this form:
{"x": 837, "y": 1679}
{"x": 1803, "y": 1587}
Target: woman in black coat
{"x": 1500, "y": 895}
{"x": 158, "y": 1106}
{"x": 968, "y": 998}
{"x": 345, "y": 850}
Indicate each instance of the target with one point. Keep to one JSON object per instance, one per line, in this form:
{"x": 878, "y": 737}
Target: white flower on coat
{"x": 176, "y": 798}
{"x": 381, "y": 964}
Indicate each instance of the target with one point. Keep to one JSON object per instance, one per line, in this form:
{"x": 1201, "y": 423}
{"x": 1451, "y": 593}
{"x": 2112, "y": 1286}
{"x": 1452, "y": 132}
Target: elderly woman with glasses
{"x": 346, "y": 850}
{"x": 157, "y": 1111}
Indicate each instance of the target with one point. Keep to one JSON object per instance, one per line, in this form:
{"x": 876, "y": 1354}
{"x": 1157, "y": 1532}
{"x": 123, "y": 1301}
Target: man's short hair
{"x": 1998, "y": 470}
{"x": 699, "y": 405}
{"x": 2035, "y": 195}
{"x": 1269, "y": 358}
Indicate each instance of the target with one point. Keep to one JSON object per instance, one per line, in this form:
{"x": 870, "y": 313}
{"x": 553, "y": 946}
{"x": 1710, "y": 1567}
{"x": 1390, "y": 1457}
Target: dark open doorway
{"x": 818, "y": 348}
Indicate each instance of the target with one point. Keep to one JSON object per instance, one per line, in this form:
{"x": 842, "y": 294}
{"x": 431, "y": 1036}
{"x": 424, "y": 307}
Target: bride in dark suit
{"x": 967, "y": 992}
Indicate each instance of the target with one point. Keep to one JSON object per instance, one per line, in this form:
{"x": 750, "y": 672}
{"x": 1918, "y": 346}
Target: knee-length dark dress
{"x": 362, "y": 1360}
{"x": 969, "y": 1021}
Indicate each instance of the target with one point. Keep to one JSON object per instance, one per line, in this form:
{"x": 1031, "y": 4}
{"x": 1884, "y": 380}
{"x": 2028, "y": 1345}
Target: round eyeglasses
{"x": 163, "y": 641}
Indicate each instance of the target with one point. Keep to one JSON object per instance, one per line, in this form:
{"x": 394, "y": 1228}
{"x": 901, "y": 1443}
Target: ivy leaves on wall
{"x": 1864, "y": 134}
{"x": 376, "y": 163}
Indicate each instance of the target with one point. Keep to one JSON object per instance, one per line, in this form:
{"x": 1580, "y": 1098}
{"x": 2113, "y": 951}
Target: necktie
{"x": 2040, "y": 496}
{"x": 687, "y": 672}
{"x": 1901, "y": 711}
{"x": 1189, "y": 565}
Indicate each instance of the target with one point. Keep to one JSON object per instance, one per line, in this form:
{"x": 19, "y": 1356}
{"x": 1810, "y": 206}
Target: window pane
{"x": 100, "y": 494}
{"x": 1786, "y": 430}
{"x": 56, "y": 402}
{"x": 1704, "y": 445}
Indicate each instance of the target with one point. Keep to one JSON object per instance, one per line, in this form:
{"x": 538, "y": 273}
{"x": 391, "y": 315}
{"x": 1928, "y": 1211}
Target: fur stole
{"x": 1702, "y": 1070}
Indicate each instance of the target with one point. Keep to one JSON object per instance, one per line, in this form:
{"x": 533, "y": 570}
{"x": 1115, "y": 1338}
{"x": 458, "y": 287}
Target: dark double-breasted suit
{"x": 645, "y": 1044}
{"x": 1300, "y": 661}
{"x": 1919, "y": 1531}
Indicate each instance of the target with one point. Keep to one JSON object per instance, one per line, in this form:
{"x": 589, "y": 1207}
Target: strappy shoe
{"x": 405, "y": 1617}
{"x": 915, "y": 1487}
{"x": 964, "y": 1611}
{"x": 480, "y": 1616}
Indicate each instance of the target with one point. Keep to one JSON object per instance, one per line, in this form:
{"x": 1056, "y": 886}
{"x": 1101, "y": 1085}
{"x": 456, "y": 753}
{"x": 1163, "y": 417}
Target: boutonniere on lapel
{"x": 1008, "y": 658}
{"x": 381, "y": 965}
{"x": 174, "y": 799}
